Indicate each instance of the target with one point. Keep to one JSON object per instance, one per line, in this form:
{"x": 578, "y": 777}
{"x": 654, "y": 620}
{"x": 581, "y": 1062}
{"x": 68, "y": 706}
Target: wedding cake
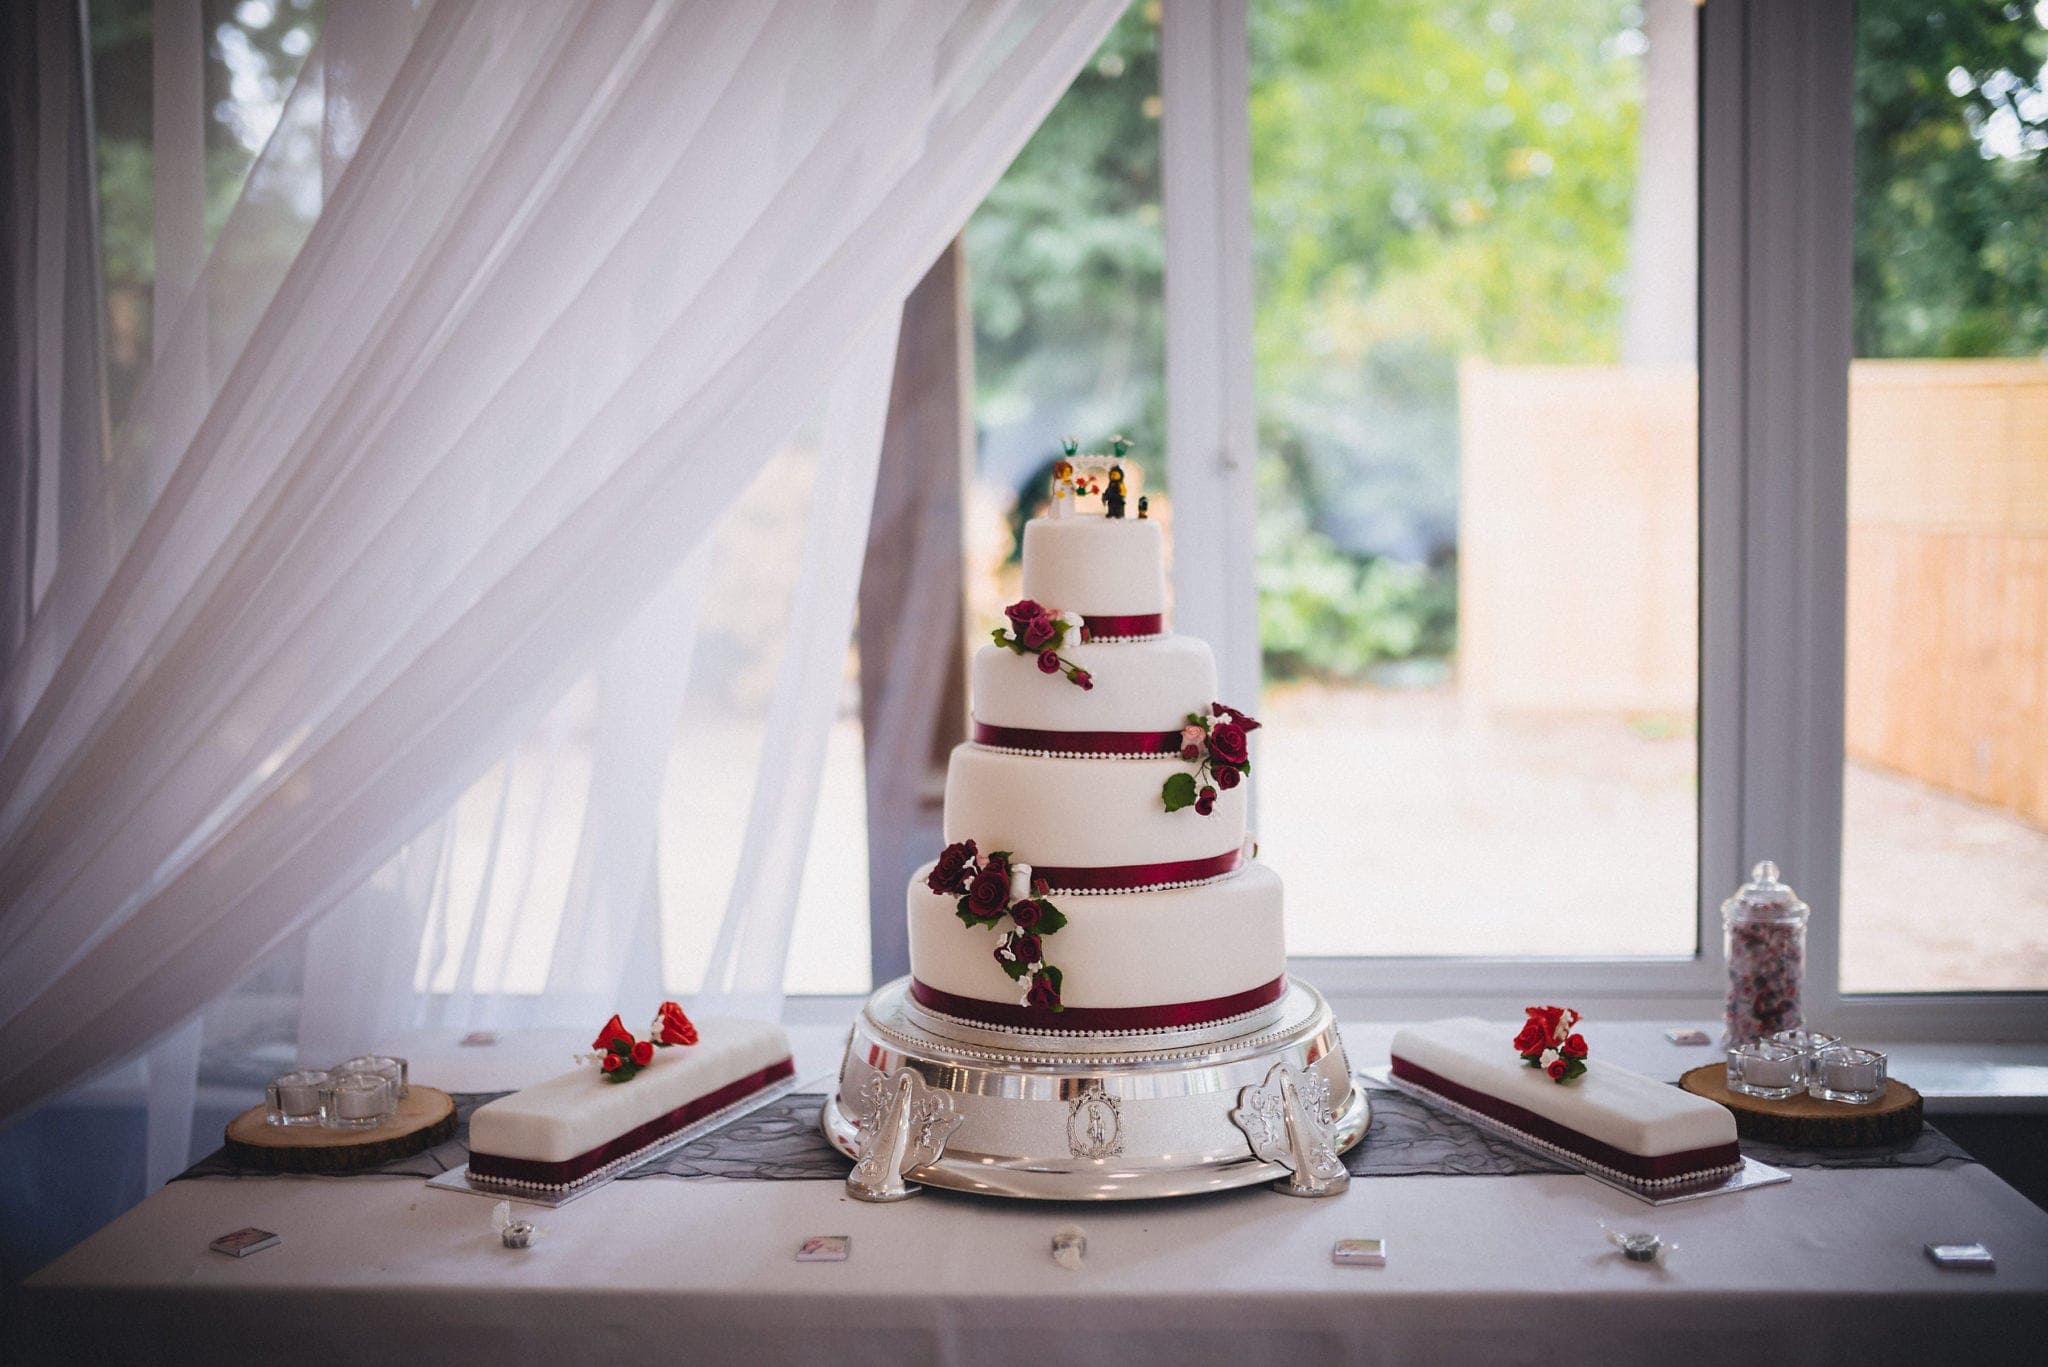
{"x": 627, "y": 1098}
{"x": 1097, "y": 876}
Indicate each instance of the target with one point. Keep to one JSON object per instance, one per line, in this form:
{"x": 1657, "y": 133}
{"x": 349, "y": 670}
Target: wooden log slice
{"x": 1809, "y": 1122}
{"x": 426, "y": 1117}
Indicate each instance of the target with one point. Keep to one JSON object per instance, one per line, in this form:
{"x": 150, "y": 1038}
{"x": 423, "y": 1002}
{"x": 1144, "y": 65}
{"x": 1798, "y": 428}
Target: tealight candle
{"x": 1767, "y": 1069}
{"x": 1857, "y": 1076}
{"x": 1812, "y": 1044}
{"x": 383, "y": 1065}
{"x": 356, "y": 1101}
{"x": 294, "y": 1099}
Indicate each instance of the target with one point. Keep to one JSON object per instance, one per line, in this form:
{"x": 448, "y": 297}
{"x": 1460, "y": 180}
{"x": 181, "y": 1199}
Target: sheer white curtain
{"x": 459, "y": 470}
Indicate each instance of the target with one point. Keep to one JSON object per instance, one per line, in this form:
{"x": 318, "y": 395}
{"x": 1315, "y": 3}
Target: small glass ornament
{"x": 1766, "y": 1068}
{"x": 356, "y": 1101}
{"x": 1764, "y": 938}
{"x": 383, "y": 1065}
{"x": 1857, "y": 1076}
{"x": 1812, "y": 1044}
{"x": 294, "y": 1099}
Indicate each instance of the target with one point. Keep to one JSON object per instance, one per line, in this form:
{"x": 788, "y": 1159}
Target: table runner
{"x": 781, "y": 1142}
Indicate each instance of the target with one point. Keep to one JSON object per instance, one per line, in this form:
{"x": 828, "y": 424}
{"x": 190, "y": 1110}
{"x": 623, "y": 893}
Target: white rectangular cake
{"x": 1635, "y": 1126}
{"x": 574, "y": 1127}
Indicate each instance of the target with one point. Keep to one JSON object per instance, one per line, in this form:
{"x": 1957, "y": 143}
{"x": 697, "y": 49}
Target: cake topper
{"x": 1550, "y": 1041}
{"x": 1106, "y": 476}
{"x": 624, "y": 1056}
{"x": 1113, "y": 492}
{"x": 1144, "y": 507}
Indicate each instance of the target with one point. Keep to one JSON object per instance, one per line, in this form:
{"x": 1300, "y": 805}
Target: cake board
{"x": 458, "y": 1178}
{"x": 1274, "y": 1101}
{"x": 1747, "y": 1174}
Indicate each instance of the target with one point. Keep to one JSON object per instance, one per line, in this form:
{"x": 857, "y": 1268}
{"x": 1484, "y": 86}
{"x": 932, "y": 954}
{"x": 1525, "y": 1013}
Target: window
{"x": 1945, "y": 789}
{"x": 1064, "y": 263}
{"x": 1554, "y": 441}
{"x": 1475, "y": 244}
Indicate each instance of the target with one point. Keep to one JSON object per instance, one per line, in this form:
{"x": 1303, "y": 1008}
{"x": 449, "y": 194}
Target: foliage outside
{"x": 1436, "y": 179}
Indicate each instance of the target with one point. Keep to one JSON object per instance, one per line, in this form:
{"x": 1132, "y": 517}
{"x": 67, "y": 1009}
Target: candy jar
{"x": 1764, "y": 937}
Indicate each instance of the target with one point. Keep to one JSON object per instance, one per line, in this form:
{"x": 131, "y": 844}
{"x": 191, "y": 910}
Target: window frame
{"x": 1776, "y": 218}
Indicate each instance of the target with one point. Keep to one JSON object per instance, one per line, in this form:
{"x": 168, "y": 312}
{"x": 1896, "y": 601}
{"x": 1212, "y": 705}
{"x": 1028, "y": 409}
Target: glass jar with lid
{"x": 1764, "y": 938}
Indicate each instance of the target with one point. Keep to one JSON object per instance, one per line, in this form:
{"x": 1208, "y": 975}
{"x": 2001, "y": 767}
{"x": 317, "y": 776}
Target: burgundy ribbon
{"x": 1170, "y": 1016}
{"x": 590, "y": 1160}
{"x": 1649, "y": 1168}
{"x": 1135, "y": 624}
{"x": 1125, "y": 877}
{"x": 1079, "y": 742}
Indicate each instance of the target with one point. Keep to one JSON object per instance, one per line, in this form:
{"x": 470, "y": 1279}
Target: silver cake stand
{"x": 925, "y": 1099}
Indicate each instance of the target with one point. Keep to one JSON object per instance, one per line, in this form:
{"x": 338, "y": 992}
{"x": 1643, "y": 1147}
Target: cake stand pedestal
{"x": 924, "y": 1100}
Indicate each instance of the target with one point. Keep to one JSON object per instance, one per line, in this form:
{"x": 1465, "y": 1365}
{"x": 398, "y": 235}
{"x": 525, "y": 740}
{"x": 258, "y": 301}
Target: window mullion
{"x": 1775, "y": 343}
{"x": 1211, "y": 423}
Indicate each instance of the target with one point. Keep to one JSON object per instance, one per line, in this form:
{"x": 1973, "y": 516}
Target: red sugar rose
{"x": 1026, "y": 914}
{"x": 1043, "y": 994}
{"x": 1048, "y": 663}
{"x": 1227, "y": 743}
{"x": 1023, "y": 613}
{"x": 643, "y": 1052}
{"x": 1028, "y": 949}
{"x": 1556, "y": 1070}
{"x": 614, "y": 1062}
{"x": 989, "y": 891}
{"x": 614, "y": 1029}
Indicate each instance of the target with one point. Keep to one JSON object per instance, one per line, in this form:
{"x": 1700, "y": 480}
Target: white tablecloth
{"x": 1827, "y": 1267}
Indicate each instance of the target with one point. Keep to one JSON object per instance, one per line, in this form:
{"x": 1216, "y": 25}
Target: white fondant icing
{"x": 1139, "y": 686}
{"x": 572, "y": 1114}
{"x": 1633, "y": 1113}
{"x": 1080, "y": 812}
{"x": 1094, "y": 565}
{"x": 1118, "y": 949}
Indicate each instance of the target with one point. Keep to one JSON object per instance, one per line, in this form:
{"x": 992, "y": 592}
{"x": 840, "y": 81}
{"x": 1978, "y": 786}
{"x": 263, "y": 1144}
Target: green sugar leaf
{"x": 1178, "y": 791}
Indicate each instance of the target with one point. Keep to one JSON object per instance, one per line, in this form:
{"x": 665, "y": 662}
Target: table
{"x": 1827, "y": 1267}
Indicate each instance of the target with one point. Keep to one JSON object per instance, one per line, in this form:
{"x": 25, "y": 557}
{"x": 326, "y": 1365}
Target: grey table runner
{"x": 781, "y": 1142}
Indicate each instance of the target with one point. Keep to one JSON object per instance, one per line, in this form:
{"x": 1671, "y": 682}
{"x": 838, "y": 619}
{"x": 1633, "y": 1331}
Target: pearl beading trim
{"x": 895, "y": 1033}
{"x": 1125, "y": 640}
{"x": 1558, "y": 1151}
{"x": 1148, "y": 887}
{"x": 1076, "y": 754}
{"x": 914, "y": 1009}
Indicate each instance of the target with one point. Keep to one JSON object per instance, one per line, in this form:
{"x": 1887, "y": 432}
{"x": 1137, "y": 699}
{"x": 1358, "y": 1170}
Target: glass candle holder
{"x": 1767, "y": 1069}
{"x": 1811, "y": 1043}
{"x": 384, "y": 1065}
{"x": 1857, "y": 1076}
{"x": 356, "y": 1101}
{"x": 294, "y": 1099}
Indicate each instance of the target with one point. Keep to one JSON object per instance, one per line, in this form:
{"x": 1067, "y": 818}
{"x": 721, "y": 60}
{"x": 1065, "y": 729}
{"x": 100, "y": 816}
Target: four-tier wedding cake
{"x": 1098, "y": 875}
{"x": 1098, "y": 1005}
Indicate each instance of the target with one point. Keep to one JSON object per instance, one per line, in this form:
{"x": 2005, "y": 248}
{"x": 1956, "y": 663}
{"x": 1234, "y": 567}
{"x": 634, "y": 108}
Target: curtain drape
{"x": 453, "y": 463}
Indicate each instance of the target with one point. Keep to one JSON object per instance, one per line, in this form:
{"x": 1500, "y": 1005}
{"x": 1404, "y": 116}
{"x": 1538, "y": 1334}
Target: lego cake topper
{"x": 1083, "y": 483}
